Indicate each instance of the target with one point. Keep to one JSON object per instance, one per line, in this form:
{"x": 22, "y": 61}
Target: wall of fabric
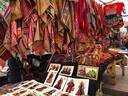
{"x": 61, "y": 26}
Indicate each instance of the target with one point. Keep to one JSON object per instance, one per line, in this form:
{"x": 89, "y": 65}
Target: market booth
{"x": 57, "y": 47}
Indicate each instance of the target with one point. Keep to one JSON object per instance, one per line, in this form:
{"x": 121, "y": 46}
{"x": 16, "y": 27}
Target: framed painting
{"x": 54, "y": 67}
{"x": 50, "y": 78}
{"x": 89, "y": 72}
{"x": 67, "y": 70}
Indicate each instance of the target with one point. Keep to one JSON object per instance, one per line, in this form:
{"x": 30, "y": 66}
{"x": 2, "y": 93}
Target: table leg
{"x": 99, "y": 92}
{"x": 111, "y": 71}
{"x": 123, "y": 68}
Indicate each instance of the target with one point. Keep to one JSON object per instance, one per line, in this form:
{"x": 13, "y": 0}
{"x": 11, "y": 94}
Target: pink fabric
{"x": 13, "y": 33}
{"x": 31, "y": 30}
{"x": 26, "y": 8}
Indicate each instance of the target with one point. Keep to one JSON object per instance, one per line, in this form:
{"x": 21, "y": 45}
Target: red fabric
{"x": 115, "y": 8}
{"x": 26, "y": 8}
{"x": 87, "y": 26}
{"x": 6, "y": 55}
{"x": 14, "y": 33}
{"x": 76, "y": 25}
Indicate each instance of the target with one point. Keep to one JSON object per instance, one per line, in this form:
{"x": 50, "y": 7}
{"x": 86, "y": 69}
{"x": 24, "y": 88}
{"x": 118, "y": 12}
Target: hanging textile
{"x": 27, "y": 7}
{"x": 15, "y": 9}
{"x": 13, "y": 33}
{"x": 42, "y": 6}
{"x": 61, "y": 26}
{"x": 4, "y": 53}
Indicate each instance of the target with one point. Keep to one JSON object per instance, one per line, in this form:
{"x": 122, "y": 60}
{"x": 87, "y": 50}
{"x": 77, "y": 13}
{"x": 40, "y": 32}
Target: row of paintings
{"x": 70, "y": 85}
{"x": 65, "y": 70}
{"x": 83, "y": 71}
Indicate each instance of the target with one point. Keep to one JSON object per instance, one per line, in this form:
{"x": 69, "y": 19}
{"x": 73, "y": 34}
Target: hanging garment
{"x": 42, "y": 6}
{"x": 4, "y": 53}
{"x": 32, "y": 27}
{"x": 3, "y": 29}
{"x": 13, "y": 33}
{"x": 37, "y": 45}
{"x": 22, "y": 49}
{"x": 15, "y": 9}
{"x": 55, "y": 7}
{"x": 48, "y": 16}
{"x": 86, "y": 14}
{"x": 46, "y": 40}
{"x": 27, "y": 7}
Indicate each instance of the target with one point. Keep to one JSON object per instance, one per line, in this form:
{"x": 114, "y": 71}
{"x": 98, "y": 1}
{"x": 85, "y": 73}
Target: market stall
{"x": 56, "y": 42}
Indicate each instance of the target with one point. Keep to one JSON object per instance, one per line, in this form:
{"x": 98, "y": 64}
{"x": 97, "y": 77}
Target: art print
{"x": 89, "y": 72}
{"x": 54, "y": 67}
{"x": 60, "y": 82}
{"x": 70, "y": 85}
{"x": 50, "y": 78}
{"x": 77, "y": 87}
{"x": 67, "y": 70}
{"x": 81, "y": 88}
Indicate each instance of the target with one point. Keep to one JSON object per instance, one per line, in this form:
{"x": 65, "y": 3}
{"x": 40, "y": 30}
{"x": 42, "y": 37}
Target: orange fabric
{"x": 2, "y": 63}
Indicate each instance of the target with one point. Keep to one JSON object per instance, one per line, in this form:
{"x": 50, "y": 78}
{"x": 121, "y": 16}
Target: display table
{"x": 122, "y": 61}
{"x": 95, "y": 86}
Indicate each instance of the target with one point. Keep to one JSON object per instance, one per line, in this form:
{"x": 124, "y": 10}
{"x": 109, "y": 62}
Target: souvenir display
{"x": 50, "y": 78}
{"x": 67, "y": 70}
{"x": 54, "y": 67}
{"x": 89, "y": 72}
{"x": 78, "y": 87}
{"x": 60, "y": 82}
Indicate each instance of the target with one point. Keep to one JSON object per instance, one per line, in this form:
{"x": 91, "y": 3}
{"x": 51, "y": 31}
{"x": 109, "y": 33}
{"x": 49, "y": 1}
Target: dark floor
{"x": 121, "y": 87}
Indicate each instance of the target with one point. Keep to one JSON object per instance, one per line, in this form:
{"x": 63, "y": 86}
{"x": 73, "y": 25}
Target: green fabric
{"x": 3, "y": 5}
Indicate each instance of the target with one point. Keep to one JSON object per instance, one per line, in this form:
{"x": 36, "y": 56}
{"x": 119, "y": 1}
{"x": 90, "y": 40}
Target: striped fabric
{"x": 27, "y": 7}
{"x": 4, "y": 53}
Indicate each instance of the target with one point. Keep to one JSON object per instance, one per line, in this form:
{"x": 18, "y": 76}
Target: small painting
{"x": 54, "y": 67}
{"x": 67, "y": 70}
{"x": 50, "y": 78}
{"x": 60, "y": 82}
{"x": 77, "y": 87}
{"x": 89, "y": 72}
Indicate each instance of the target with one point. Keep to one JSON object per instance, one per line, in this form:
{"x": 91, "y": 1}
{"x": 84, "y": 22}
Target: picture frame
{"x": 60, "y": 82}
{"x": 90, "y": 72}
{"x": 54, "y": 67}
{"x": 50, "y": 78}
{"x": 67, "y": 70}
{"x": 76, "y": 86}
